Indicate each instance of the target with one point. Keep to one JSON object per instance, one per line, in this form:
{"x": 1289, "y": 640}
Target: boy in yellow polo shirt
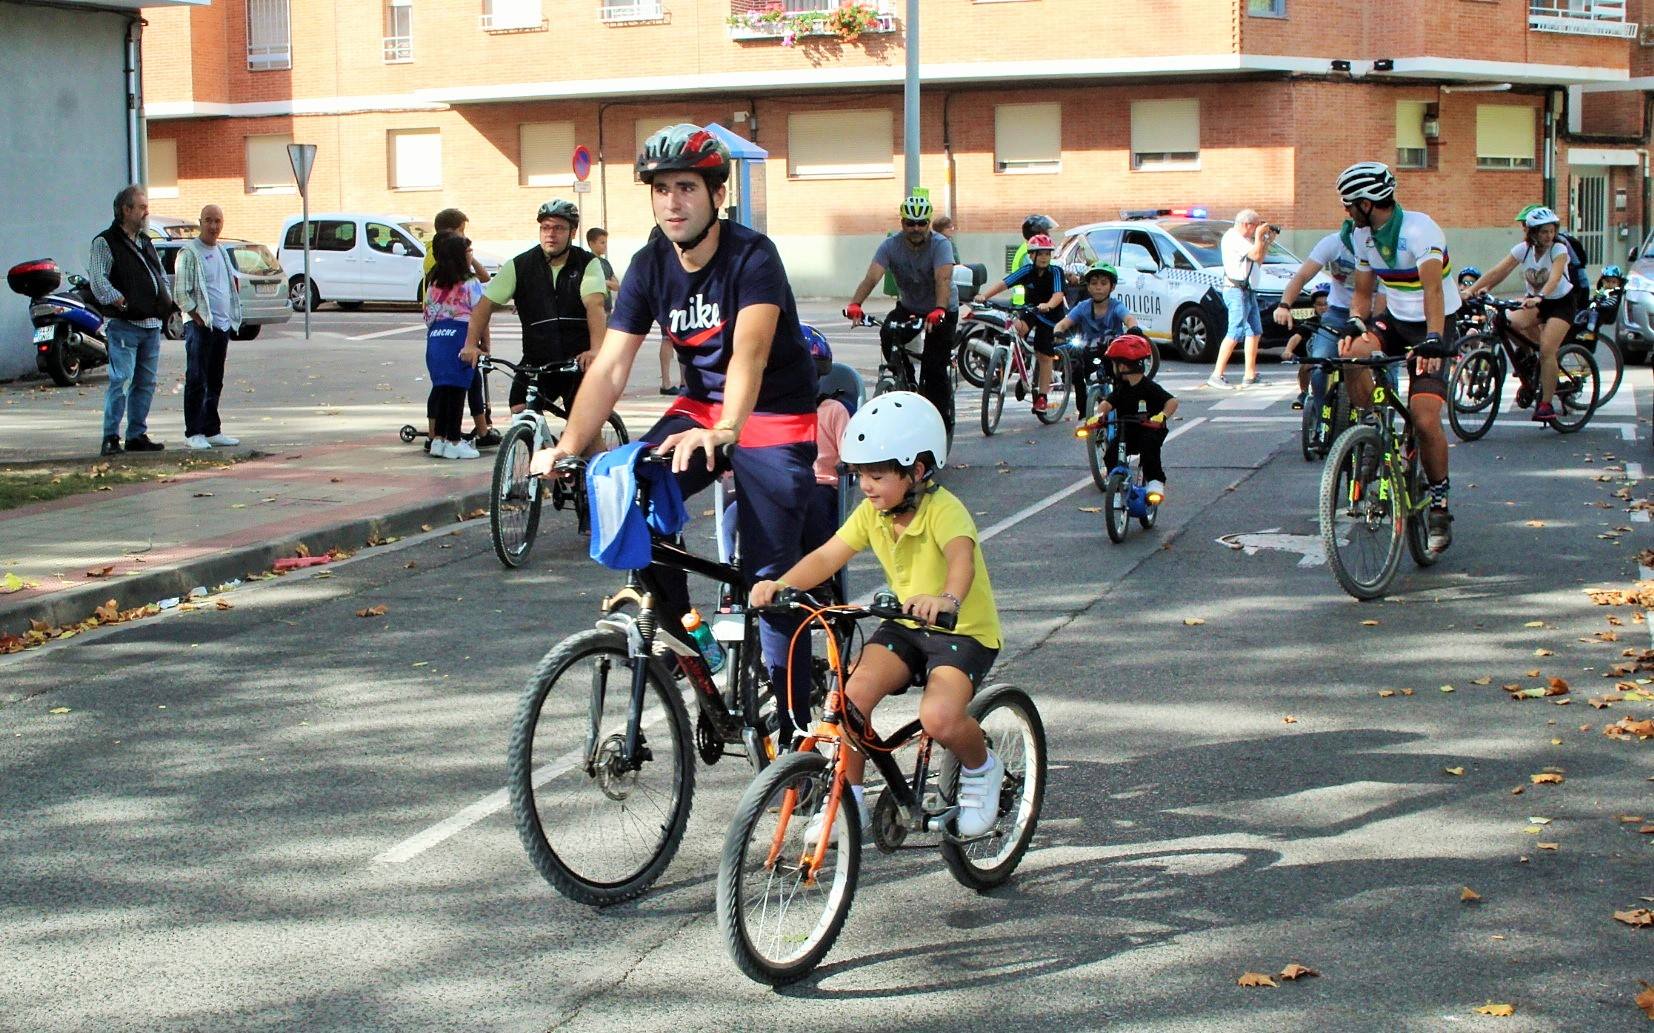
{"x": 925, "y": 540}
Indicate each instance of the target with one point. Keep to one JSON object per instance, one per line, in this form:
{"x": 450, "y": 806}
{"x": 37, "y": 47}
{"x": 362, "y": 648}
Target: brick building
{"x": 1483, "y": 105}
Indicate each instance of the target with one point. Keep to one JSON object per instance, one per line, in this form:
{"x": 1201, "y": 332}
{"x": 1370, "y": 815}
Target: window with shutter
{"x": 1028, "y": 138}
{"x": 1165, "y": 135}
{"x": 840, "y": 145}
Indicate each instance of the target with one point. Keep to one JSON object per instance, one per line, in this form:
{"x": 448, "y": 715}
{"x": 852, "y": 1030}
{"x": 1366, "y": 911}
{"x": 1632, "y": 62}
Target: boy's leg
{"x": 942, "y": 712}
{"x": 879, "y": 671}
{"x": 1146, "y": 443}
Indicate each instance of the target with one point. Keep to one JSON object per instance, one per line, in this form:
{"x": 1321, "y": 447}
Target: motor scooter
{"x": 69, "y": 332}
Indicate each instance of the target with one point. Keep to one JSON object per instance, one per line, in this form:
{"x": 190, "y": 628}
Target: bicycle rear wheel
{"x": 780, "y": 918}
{"x": 1062, "y": 389}
{"x": 598, "y": 832}
{"x": 993, "y": 391}
{"x": 1361, "y": 524}
{"x": 1477, "y": 382}
{"x": 1115, "y": 517}
{"x": 514, "y": 501}
{"x": 1016, "y": 734}
{"x": 1578, "y": 384}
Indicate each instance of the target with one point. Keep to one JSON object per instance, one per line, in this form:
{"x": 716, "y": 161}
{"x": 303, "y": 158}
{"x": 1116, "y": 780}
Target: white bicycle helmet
{"x": 1366, "y": 181}
{"x": 1540, "y": 216}
{"x": 897, "y": 427}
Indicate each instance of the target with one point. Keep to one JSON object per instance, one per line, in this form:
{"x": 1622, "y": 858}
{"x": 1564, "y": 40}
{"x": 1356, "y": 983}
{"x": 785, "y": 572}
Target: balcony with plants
{"x": 791, "y": 21}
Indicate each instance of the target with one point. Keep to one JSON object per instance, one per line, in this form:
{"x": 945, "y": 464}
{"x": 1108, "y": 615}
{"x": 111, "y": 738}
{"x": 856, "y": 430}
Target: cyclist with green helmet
{"x": 921, "y": 260}
{"x": 718, "y": 291}
{"x": 1549, "y": 305}
{"x": 559, "y": 292}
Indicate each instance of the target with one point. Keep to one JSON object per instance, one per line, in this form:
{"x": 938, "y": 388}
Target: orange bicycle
{"x": 782, "y": 901}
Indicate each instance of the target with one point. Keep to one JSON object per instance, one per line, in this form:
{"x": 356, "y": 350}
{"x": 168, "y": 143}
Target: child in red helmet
{"x": 1144, "y": 407}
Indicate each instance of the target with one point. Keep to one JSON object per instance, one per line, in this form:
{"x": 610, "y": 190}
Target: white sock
{"x": 985, "y": 765}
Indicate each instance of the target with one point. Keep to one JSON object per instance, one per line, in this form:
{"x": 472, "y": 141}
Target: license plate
{"x": 265, "y": 290}
{"x": 42, "y": 334}
{"x": 1302, "y": 313}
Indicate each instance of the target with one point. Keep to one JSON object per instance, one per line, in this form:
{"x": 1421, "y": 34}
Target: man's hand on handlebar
{"x": 469, "y": 355}
{"x": 684, "y": 444}
{"x": 543, "y": 461}
{"x": 854, "y": 312}
{"x": 928, "y": 608}
{"x": 584, "y": 359}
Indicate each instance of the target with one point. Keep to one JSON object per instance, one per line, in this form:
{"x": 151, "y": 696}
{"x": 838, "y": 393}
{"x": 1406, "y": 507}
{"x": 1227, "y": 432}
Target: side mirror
{"x": 399, "y": 248}
{"x": 1143, "y": 264}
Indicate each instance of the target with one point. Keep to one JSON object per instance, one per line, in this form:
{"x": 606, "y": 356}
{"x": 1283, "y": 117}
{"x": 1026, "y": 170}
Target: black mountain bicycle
{"x": 1485, "y": 359}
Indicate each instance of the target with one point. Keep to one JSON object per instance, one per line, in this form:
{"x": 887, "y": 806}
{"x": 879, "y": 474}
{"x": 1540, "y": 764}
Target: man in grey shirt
{"x": 921, "y": 260}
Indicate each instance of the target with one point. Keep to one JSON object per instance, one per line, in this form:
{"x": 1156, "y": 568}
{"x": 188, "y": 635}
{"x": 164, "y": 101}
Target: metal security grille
{"x": 1591, "y": 216}
{"x": 269, "y": 37}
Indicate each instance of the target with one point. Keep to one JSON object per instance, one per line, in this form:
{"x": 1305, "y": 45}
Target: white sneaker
{"x": 979, "y": 798}
{"x": 812, "y": 835}
{"x": 439, "y": 449}
{"x": 197, "y": 441}
{"x": 1252, "y": 381}
{"x": 1218, "y": 381}
{"x": 223, "y": 440}
{"x": 1156, "y": 488}
{"x": 463, "y": 450}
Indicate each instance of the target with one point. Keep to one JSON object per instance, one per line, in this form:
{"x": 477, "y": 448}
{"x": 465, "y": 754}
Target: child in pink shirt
{"x": 822, "y": 518}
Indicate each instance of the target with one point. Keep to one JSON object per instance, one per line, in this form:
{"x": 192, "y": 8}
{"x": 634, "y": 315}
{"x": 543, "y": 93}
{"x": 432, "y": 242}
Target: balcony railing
{"x": 1581, "y": 18}
{"x": 512, "y": 16}
{"x": 622, "y": 13}
{"x": 789, "y": 19}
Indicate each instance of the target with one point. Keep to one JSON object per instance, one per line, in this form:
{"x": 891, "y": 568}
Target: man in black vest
{"x": 559, "y": 291}
{"x": 126, "y": 277}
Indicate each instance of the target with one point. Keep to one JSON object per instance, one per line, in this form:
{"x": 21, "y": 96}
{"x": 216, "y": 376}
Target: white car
{"x": 357, "y": 257}
{"x": 1171, "y": 276}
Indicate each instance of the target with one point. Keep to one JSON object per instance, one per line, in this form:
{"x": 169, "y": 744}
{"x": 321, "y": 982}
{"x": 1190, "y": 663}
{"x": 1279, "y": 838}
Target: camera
{"x": 1274, "y": 229}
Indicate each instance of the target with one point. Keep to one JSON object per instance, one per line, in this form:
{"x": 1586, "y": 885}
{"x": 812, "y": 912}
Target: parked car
{"x": 357, "y": 257}
{"x": 1634, "y": 329}
{"x": 165, "y": 227}
{"x": 1171, "y": 276}
{"x": 263, "y": 287}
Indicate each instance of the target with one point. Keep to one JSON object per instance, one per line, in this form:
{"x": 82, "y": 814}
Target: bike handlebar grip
{"x": 570, "y": 464}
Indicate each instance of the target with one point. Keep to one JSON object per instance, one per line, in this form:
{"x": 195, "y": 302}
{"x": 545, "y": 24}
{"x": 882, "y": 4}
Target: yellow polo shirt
{"x": 914, "y": 563}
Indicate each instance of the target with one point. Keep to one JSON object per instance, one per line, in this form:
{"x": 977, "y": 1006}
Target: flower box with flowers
{"x": 847, "y": 22}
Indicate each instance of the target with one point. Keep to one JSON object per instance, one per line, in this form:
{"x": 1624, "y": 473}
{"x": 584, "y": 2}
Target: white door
{"x": 1588, "y": 213}
{"x": 391, "y": 263}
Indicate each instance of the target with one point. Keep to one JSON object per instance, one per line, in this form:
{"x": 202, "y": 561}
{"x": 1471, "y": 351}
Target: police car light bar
{"x": 1198, "y": 212}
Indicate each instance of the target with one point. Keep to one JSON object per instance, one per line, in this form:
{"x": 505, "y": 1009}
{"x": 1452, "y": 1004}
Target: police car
{"x": 1171, "y": 276}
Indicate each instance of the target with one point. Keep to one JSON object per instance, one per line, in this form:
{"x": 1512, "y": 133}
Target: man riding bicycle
{"x": 1332, "y": 253}
{"x": 719, "y": 293}
{"x": 921, "y": 260}
{"x": 559, "y": 291}
{"x": 1408, "y": 252}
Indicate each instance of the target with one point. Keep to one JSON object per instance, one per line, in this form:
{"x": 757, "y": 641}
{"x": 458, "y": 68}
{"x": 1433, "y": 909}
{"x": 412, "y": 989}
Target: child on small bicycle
{"x": 1301, "y": 335}
{"x": 926, "y": 542}
{"x": 1144, "y": 407}
{"x": 1094, "y": 321}
{"x": 1042, "y": 286}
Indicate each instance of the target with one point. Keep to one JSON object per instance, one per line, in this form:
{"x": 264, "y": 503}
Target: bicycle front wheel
{"x": 1096, "y": 449}
{"x": 514, "y": 501}
{"x": 1578, "y": 383}
{"x": 1476, "y": 384}
{"x": 1062, "y": 389}
{"x": 779, "y": 913}
{"x": 993, "y": 391}
{"x": 598, "y": 829}
{"x": 1015, "y": 733}
{"x": 1360, "y": 514}
{"x": 1115, "y": 516}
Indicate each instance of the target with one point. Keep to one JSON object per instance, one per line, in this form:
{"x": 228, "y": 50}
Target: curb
{"x": 76, "y": 604}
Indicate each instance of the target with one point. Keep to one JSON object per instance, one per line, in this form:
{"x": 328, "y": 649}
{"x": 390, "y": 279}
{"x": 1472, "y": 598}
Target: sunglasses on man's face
{"x": 914, "y": 224}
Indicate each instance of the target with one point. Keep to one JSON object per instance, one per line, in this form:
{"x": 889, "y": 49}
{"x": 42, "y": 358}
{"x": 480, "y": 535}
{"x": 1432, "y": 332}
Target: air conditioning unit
{"x": 1645, "y": 35}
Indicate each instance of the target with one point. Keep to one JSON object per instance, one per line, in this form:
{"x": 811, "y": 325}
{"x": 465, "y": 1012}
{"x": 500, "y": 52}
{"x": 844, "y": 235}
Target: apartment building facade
{"x": 1060, "y": 106}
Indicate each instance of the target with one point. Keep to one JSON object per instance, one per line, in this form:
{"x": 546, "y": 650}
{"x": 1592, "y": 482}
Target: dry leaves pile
{"x": 1292, "y": 972}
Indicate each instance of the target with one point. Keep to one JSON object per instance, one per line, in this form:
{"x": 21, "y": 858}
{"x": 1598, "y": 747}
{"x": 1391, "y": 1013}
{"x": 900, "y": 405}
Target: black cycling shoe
{"x": 1439, "y": 523}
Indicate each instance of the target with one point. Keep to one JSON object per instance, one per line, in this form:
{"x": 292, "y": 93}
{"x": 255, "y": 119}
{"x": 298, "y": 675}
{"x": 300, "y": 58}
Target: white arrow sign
{"x": 1311, "y": 551}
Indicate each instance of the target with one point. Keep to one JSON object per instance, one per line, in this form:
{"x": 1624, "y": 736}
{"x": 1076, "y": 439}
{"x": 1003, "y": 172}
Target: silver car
{"x": 1635, "y": 329}
{"x": 263, "y": 286}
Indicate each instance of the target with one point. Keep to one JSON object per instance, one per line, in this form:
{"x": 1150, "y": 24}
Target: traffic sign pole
{"x": 302, "y": 156}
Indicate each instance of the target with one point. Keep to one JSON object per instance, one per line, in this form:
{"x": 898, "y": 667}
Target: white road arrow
{"x": 1311, "y": 551}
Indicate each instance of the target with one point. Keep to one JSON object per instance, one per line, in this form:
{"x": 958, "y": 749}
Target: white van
{"x": 354, "y": 257}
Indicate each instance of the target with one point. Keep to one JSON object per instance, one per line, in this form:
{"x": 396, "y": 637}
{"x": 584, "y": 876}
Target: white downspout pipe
{"x": 135, "y": 156}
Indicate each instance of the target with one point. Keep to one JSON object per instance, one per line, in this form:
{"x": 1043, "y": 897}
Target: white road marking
{"x": 1055, "y": 497}
{"x": 1257, "y": 419}
{"x": 1311, "y": 551}
{"x": 393, "y": 331}
{"x": 1628, "y": 431}
{"x": 1633, "y": 471}
{"x": 1256, "y": 398}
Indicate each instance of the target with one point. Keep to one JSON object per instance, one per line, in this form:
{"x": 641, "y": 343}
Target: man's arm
{"x": 875, "y": 272}
{"x": 1260, "y": 242}
{"x": 597, "y": 324}
{"x": 98, "y": 263}
{"x": 477, "y": 329}
{"x": 183, "y": 284}
{"x": 1361, "y": 304}
{"x": 1295, "y": 287}
{"x": 1435, "y": 304}
{"x": 600, "y": 388}
{"x": 944, "y": 285}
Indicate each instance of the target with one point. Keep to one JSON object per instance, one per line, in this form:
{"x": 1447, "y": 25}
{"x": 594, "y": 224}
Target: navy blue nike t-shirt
{"x": 696, "y": 312}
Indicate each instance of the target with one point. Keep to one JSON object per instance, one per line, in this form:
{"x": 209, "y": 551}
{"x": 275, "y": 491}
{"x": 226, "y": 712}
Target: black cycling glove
{"x": 1433, "y": 347}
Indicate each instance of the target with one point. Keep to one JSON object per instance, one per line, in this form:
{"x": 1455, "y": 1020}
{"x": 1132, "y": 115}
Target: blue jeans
{"x": 1244, "y": 318}
{"x": 1324, "y": 345}
{"x": 204, "y": 350}
{"x": 134, "y": 356}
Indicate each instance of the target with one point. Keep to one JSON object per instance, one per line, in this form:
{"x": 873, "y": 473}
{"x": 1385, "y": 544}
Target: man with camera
{"x": 1243, "y": 247}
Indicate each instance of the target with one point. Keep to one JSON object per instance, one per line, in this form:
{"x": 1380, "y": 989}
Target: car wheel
{"x": 302, "y": 293}
{"x": 248, "y": 331}
{"x": 1195, "y": 334}
{"x": 174, "y": 329}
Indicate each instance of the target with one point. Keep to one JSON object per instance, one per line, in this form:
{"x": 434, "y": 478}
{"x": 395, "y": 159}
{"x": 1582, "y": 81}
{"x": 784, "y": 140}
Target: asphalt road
{"x": 198, "y": 841}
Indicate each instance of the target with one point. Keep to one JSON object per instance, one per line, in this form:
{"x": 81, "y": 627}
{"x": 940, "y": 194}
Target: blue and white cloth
{"x": 620, "y": 530}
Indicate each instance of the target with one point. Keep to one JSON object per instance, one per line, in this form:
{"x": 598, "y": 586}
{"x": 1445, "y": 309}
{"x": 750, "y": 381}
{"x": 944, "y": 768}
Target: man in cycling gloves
{"x": 921, "y": 260}
{"x": 718, "y": 291}
{"x": 559, "y": 291}
{"x": 1407, "y": 252}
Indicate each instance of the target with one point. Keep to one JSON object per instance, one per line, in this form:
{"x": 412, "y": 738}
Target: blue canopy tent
{"x": 746, "y": 200}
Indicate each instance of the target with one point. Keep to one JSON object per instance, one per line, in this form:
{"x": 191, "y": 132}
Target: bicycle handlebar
{"x": 488, "y": 362}
{"x": 914, "y": 322}
{"x": 885, "y": 606}
{"x": 1371, "y": 361}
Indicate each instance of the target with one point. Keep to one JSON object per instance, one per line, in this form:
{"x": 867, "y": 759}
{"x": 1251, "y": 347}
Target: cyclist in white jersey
{"x": 1407, "y": 253}
{"x": 1332, "y": 253}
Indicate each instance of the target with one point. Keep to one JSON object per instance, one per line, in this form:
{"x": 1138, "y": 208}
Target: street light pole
{"x": 910, "y": 100}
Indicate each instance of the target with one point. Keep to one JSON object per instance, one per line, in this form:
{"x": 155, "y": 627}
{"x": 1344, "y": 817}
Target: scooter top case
{"x": 34, "y": 279}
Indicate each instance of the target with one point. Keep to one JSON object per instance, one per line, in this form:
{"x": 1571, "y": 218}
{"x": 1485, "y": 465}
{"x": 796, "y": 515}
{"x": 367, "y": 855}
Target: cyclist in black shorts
{"x": 1408, "y": 252}
{"x": 559, "y": 290}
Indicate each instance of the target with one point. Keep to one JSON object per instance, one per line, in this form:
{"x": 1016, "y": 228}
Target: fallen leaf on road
{"x": 1546, "y": 778}
{"x": 382, "y": 609}
{"x": 1645, "y": 1000}
{"x": 1519, "y": 790}
{"x": 1091, "y": 509}
{"x": 1369, "y": 624}
{"x": 1543, "y": 652}
{"x": 1503, "y": 1011}
{"x": 1533, "y": 673}
{"x": 1447, "y": 688}
{"x": 1626, "y": 727}
{"x": 1539, "y": 821}
{"x": 1386, "y": 693}
{"x": 1640, "y": 916}
{"x": 109, "y": 612}
{"x": 1534, "y": 523}
{"x": 1193, "y": 622}
{"x": 301, "y": 550}
{"x": 1454, "y": 771}
{"x": 1406, "y": 692}
{"x": 1297, "y": 971}
{"x": 1484, "y": 680}
{"x": 1534, "y": 624}
{"x": 202, "y": 495}
{"x": 58, "y": 710}
{"x": 1255, "y": 979}
{"x": 12, "y": 583}
{"x": 1469, "y": 896}
{"x": 427, "y": 527}
{"x": 1289, "y": 719}
{"x": 101, "y": 571}
{"x": 1546, "y": 846}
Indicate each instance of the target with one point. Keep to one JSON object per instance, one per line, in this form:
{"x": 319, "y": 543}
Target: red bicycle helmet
{"x": 1040, "y": 242}
{"x": 685, "y": 147}
{"x": 1128, "y": 348}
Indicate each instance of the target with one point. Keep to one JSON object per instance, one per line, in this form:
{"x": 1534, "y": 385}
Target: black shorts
{"x": 1041, "y": 337}
{"x": 924, "y": 651}
{"x": 555, "y": 389}
{"x": 1563, "y": 308}
{"x": 1400, "y": 338}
